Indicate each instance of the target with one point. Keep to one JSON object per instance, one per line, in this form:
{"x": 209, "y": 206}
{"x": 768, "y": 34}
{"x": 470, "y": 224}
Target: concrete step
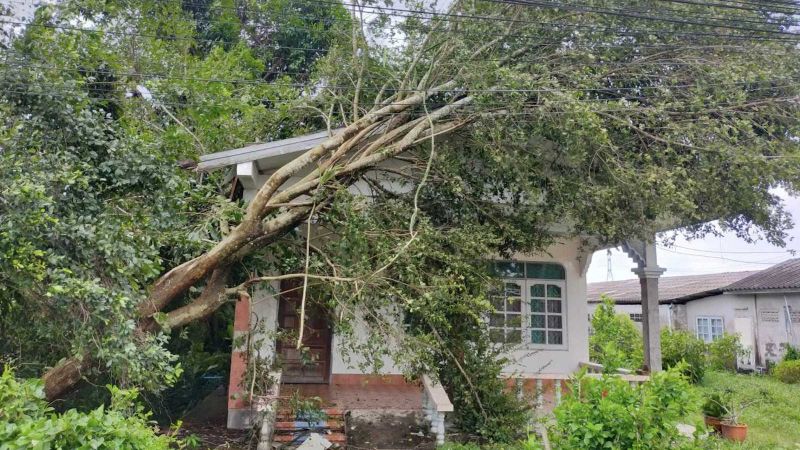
{"x": 330, "y": 424}
{"x": 285, "y": 414}
{"x": 334, "y": 438}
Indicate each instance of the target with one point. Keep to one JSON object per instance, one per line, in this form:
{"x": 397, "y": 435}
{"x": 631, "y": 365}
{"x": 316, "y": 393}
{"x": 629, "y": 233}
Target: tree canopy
{"x": 503, "y": 120}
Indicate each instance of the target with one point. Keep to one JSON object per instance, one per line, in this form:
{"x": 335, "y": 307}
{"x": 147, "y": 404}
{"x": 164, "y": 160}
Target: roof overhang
{"x": 266, "y": 156}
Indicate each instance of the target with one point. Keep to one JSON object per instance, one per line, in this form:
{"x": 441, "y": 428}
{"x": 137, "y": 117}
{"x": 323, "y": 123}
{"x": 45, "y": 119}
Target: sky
{"x": 712, "y": 254}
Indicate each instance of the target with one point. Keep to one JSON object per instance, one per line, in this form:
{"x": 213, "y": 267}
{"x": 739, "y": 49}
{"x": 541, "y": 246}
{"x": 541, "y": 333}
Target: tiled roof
{"x": 785, "y": 275}
{"x": 670, "y": 289}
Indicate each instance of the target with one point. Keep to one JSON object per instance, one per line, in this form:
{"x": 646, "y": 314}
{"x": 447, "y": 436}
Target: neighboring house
{"x": 543, "y": 309}
{"x": 763, "y": 307}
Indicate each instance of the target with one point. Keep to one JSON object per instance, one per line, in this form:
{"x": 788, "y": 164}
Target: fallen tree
{"x": 606, "y": 118}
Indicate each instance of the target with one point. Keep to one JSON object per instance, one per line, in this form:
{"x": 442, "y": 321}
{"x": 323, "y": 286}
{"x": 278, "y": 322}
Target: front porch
{"x": 358, "y": 394}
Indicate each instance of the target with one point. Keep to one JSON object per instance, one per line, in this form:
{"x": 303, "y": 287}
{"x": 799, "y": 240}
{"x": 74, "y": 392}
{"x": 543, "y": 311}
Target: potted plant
{"x": 732, "y": 427}
{"x": 713, "y": 411}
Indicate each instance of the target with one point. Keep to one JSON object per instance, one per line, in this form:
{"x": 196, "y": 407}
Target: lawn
{"x": 775, "y": 423}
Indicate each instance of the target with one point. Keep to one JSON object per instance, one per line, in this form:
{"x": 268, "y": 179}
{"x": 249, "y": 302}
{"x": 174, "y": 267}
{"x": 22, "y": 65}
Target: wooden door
{"x": 311, "y": 364}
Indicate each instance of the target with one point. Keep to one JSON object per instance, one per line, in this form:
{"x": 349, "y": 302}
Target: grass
{"x": 774, "y": 423}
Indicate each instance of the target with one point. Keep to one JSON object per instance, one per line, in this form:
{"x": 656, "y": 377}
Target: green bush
{"x": 531, "y": 443}
{"x": 792, "y": 353}
{"x": 723, "y": 352}
{"x": 26, "y": 421}
{"x": 484, "y": 407}
{"x": 610, "y": 413}
{"x": 679, "y": 346}
{"x": 615, "y": 341}
{"x": 787, "y": 371}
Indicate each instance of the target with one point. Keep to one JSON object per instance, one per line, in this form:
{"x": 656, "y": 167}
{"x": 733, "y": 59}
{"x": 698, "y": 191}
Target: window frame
{"x": 527, "y": 315}
{"x": 505, "y": 328}
{"x": 710, "y": 328}
{"x": 526, "y": 307}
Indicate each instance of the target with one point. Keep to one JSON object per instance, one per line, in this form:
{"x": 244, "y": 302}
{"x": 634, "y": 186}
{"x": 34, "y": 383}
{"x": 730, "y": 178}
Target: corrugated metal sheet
{"x": 785, "y": 275}
{"x": 670, "y": 289}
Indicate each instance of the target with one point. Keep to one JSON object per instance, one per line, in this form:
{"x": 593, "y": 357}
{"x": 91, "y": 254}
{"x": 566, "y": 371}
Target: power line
{"x": 748, "y": 252}
{"x": 557, "y": 25}
{"x": 718, "y": 257}
{"x": 749, "y": 86}
{"x": 634, "y": 15}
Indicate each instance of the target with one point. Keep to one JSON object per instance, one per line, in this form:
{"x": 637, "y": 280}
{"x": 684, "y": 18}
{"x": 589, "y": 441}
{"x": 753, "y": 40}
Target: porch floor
{"x": 349, "y": 397}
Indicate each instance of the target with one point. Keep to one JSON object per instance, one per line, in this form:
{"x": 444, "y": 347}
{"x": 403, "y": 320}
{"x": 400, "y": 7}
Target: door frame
{"x": 283, "y": 299}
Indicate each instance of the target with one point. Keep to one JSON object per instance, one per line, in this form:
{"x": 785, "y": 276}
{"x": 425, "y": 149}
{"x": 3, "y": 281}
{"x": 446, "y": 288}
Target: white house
{"x": 543, "y": 310}
{"x": 763, "y": 307}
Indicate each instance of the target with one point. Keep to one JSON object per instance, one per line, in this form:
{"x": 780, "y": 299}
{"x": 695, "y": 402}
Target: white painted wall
{"x": 770, "y": 331}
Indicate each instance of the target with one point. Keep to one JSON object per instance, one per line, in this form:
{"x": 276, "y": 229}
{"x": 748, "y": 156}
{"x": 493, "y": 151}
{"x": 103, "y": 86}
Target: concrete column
{"x": 651, "y": 326}
{"x": 644, "y": 255}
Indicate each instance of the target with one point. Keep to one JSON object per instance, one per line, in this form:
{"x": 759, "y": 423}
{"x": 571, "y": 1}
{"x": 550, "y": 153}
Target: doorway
{"x": 312, "y": 363}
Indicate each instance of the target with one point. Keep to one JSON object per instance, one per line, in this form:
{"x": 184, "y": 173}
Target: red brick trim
{"x": 237, "y": 400}
{"x": 375, "y": 380}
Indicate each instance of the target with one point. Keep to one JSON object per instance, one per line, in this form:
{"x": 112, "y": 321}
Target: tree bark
{"x": 61, "y": 378}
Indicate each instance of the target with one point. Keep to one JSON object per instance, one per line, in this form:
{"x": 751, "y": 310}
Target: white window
{"x": 636, "y": 317}
{"x": 709, "y": 329}
{"x": 531, "y": 309}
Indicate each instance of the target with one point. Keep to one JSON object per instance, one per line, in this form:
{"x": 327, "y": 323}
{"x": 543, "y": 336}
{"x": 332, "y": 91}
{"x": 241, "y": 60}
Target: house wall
{"x": 760, "y": 319}
{"x": 525, "y": 359}
{"x": 664, "y": 314}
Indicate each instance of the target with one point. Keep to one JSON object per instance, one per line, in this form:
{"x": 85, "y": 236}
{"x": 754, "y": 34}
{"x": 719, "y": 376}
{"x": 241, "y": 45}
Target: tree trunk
{"x": 61, "y": 378}
{"x": 254, "y": 232}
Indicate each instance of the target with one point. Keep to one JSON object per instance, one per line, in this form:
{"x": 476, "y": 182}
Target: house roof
{"x": 676, "y": 289}
{"x": 267, "y": 155}
{"x": 785, "y": 275}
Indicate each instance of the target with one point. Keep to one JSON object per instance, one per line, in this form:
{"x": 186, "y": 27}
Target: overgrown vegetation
{"x": 787, "y": 371}
{"x": 771, "y": 423}
{"x": 724, "y": 352}
{"x": 610, "y": 413}
{"x": 26, "y": 421}
{"x": 681, "y": 348}
{"x": 615, "y": 341}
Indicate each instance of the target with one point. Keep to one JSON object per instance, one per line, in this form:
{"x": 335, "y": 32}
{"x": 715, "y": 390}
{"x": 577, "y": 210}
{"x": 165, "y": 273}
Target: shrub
{"x": 610, "y": 413}
{"x": 787, "y": 371}
{"x": 484, "y": 407}
{"x": 792, "y": 353}
{"x": 616, "y": 341}
{"x": 682, "y": 346}
{"x": 26, "y": 421}
{"x": 723, "y": 352}
{"x": 714, "y": 406}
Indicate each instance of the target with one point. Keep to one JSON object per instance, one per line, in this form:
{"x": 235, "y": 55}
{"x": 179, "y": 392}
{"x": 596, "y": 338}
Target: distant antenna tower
{"x": 610, "y": 272}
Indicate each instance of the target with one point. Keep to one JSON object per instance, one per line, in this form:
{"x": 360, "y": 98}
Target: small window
{"x": 709, "y": 329}
{"x": 636, "y": 317}
{"x": 545, "y": 271}
{"x": 508, "y": 269}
